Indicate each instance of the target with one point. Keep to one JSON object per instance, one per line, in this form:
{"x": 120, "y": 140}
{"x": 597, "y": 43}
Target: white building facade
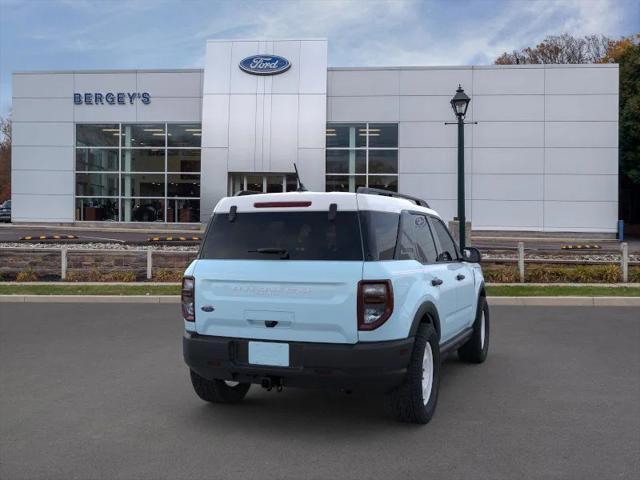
{"x": 165, "y": 145}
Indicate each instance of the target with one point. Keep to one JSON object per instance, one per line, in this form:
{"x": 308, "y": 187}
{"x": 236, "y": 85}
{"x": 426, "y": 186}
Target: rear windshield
{"x": 283, "y": 236}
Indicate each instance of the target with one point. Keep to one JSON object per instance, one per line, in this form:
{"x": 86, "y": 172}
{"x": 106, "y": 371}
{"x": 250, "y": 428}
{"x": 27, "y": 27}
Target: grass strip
{"x": 561, "y": 291}
{"x": 493, "y": 290}
{"x": 54, "y": 289}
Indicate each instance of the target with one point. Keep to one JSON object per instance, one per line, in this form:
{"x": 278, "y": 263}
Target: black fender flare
{"x": 426, "y": 310}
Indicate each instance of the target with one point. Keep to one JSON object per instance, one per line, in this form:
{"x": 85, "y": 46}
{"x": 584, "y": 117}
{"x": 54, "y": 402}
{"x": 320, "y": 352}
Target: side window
{"x": 415, "y": 241}
{"x": 448, "y": 251}
{"x": 379, "y": 234}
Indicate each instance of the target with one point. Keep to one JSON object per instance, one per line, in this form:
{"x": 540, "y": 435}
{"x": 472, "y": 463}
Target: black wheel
{"x": 218, "y": 391}
{"x": 415, "y": 400}
{"x": 477, "y": 347}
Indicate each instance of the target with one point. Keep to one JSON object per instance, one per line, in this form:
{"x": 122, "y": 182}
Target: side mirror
{"x": 471, "y": 255}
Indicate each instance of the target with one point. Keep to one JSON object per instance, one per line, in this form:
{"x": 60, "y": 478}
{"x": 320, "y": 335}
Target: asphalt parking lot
{"x": 12, "y": 233}
{"x": 100, "y": 391}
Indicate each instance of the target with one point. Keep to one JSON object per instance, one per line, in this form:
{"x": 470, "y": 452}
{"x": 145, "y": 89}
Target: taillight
{"x": 375, "y": 303}
{"x": 188, "y": 299}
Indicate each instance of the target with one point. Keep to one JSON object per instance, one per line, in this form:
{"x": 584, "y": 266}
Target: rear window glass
{"x": 380, "y": 233}
{"x": 280, "y": 235}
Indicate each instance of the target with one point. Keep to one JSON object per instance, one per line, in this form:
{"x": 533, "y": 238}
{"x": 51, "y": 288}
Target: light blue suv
{"x": 352, "y": 291}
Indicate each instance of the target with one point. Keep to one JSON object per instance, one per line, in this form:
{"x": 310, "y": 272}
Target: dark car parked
{"x": 5, "y": 211}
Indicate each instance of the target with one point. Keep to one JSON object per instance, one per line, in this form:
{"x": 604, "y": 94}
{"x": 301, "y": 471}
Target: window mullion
{"x": 166, "y": 177}
{"x": 120, "y": 202}
{"x": 366, "y": 179}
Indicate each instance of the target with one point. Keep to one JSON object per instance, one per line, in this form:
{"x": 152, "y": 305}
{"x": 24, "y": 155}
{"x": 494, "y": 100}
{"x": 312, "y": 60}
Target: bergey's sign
{"x": 110, "y": 98}
{"x": 265, "y": 64}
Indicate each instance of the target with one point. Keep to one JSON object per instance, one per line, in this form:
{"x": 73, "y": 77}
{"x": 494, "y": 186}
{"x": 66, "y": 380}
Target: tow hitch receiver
{"x": 269, "y": 383}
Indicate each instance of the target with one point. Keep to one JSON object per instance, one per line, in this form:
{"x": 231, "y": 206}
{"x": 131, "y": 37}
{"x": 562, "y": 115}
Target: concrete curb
{"x": 566, "y": 301}
{"x": 495, "y": 301}
{"x": 537, "y": 284}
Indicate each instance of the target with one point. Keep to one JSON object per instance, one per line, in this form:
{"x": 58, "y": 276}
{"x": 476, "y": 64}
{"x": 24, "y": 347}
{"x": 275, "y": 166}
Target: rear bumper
{"x": 372, "y": 366}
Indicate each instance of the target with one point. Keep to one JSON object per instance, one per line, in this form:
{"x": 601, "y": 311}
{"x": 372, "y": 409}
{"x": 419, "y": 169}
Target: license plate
{"x": 267, "y": 353}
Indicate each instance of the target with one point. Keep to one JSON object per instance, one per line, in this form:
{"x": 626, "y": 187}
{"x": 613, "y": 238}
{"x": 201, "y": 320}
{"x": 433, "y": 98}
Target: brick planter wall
{"x": 82, "y": 263}
{"x": 45, "y": 264}
{"x": 173, "y": 260}
{"x": 79, "y": 263}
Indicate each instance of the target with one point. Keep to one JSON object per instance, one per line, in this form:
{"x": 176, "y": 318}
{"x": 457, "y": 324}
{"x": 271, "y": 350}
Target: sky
{"x": 107, "y": 34}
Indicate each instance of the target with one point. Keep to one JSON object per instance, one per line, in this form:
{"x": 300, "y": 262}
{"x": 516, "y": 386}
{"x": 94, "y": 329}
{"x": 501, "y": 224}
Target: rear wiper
{"x": 283, "y": 252}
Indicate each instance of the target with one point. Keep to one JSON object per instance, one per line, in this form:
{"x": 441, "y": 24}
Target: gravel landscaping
{"x": 486, "y": 255}
{"x": 100, "y": 246}
{"x": 601, "y": 257}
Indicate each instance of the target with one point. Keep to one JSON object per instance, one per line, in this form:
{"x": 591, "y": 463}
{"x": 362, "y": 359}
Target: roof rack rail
{"x": 242, "y": 193}
{"x": 387, "y": 193}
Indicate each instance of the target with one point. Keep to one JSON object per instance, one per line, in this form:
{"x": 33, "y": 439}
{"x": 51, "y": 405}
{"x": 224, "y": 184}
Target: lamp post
{"x": 460, "y": 103}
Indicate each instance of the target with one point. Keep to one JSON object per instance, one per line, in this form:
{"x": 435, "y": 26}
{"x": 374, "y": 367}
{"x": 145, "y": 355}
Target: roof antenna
{"x": 301, "y": 187}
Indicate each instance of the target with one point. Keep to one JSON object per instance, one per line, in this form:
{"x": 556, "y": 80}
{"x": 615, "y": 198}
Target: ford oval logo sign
{"x": 265, "y": 64}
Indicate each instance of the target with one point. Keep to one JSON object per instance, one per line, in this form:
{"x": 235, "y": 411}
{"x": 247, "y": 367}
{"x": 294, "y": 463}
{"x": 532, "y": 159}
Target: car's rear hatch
{"x": 281, "y": 267}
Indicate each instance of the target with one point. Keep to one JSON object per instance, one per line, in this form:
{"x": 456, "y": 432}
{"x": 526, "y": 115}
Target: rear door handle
{"x": 460, "y": 277}
{"x": 436, "y": 281}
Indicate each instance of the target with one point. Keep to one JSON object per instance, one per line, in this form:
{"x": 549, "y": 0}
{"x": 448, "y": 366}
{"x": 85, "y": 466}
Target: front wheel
{"x": 477, "y": 347}
{"x": 218, "y": 391}
{"x": 415, "y": 400}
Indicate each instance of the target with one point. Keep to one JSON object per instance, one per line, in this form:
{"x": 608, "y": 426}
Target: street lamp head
{"x": 460, "y": 102}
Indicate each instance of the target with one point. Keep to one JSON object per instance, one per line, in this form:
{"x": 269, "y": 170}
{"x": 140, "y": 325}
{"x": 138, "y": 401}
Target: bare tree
{"x": 5, "y": 158}
{"x": 563, "y": 48}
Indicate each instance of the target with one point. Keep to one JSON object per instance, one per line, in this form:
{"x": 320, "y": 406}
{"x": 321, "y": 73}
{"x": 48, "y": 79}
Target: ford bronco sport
{"x": 343, "y": 290}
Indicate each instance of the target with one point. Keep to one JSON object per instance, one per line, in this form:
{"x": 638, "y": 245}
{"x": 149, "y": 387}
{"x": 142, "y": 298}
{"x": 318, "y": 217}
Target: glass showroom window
{"x": 266, "y": 183}
{"x": 361, "y": 155}
{"x": 138, "y": 172}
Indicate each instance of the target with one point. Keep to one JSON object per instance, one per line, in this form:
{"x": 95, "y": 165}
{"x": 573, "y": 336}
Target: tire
{"x": 415, "y": 400}
{"x": 218, "y": 391}
{"x": 477, "y": 347}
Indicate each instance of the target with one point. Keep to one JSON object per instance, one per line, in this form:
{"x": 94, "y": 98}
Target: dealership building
{"x": 112, "y": 146}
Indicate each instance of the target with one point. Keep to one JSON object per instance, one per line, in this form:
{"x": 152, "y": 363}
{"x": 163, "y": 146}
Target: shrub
{"x": 500, "y": 273}
{"x": 119, "y": 276}
{"x": 93, "y": 275}
{"x": 572, "y": 273}
{"x": 96, "y": 276}
{"x": 634, "y": 274}
{"x": 167, "y": 275}
{"x": 27, "y": 275}
{"x": 74, "y": 277}
{"x": 557, "y": 273}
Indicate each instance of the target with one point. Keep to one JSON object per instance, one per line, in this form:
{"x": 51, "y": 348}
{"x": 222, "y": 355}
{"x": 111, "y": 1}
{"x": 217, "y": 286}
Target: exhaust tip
{"x": 266, "y": 383}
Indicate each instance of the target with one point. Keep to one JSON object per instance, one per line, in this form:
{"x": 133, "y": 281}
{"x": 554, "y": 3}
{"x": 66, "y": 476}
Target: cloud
{"x": 405, "y": 32}
{"x": 85, "y": 34}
